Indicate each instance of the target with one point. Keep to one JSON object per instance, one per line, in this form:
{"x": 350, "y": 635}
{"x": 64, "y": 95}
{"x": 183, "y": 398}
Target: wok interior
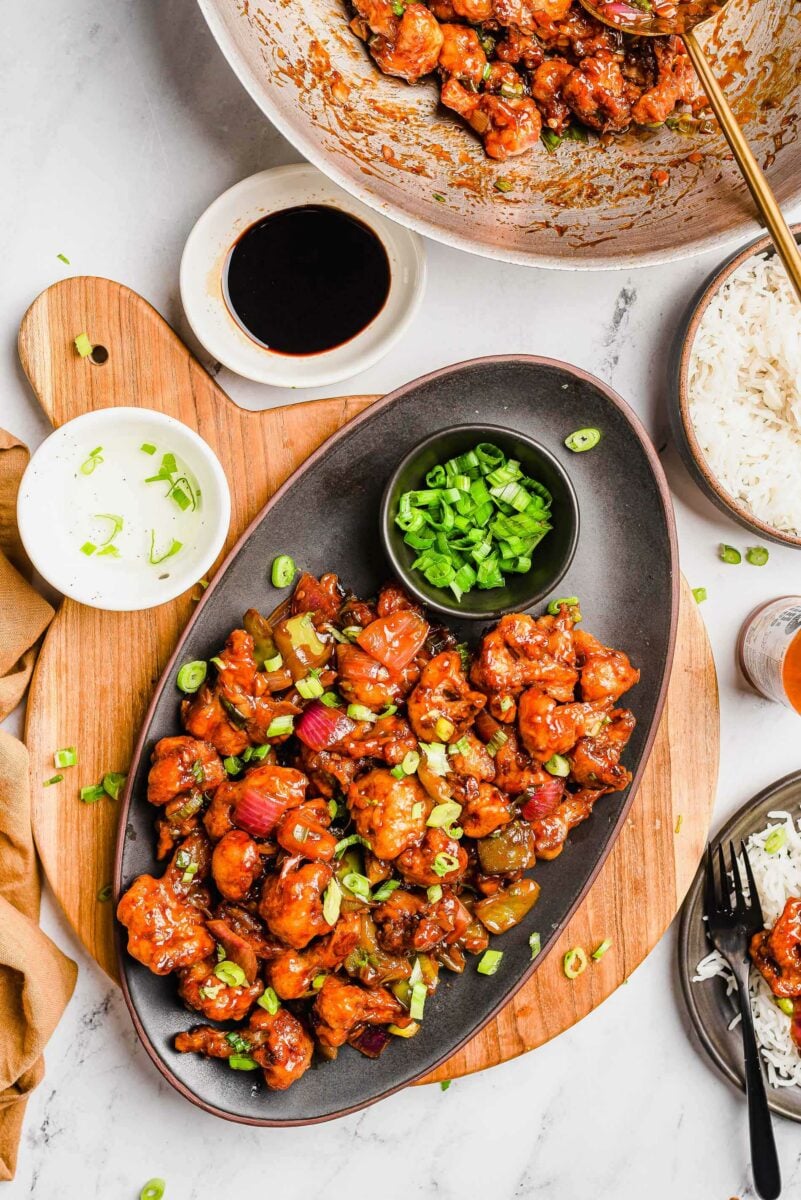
{"x": 585, "y": 205}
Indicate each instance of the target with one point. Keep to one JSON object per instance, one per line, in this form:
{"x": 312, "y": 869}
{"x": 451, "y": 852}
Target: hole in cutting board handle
{"x": 99, "y": 355}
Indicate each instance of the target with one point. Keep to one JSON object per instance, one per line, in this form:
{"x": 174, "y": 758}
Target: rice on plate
{"x": 777, "y": 874}
{"x": 744, "y": 391}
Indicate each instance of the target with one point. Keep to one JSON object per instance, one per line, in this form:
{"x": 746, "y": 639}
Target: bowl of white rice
{"x": 770, "y": 827}
{"x": 736, "y": 411}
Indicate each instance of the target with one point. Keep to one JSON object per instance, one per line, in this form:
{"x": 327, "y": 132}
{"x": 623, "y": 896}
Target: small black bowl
{"x": 552, "y": 556}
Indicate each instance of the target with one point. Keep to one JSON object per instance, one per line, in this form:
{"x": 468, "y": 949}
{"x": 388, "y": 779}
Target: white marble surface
{"x": 121, "y": 122}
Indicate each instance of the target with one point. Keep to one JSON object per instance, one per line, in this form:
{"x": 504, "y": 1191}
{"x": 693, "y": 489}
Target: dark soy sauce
{"x": 306, "y": 279}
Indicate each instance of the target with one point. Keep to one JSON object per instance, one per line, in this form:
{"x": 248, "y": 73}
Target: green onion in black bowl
{"x": 429, "y": 490}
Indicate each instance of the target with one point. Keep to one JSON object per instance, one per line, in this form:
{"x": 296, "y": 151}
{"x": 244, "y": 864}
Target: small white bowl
{"x": 59, "y": 509}
{"x": 210, "y": 242}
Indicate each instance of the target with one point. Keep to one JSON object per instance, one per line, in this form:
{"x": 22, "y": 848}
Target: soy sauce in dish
{"x": 306, "y": 279}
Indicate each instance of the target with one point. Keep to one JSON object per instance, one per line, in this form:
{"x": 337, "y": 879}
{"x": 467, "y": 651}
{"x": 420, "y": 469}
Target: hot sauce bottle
{"x": 769, "y": 650}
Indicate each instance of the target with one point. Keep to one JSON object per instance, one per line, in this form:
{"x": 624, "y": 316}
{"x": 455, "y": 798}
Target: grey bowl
{"x": 551, "y": 557}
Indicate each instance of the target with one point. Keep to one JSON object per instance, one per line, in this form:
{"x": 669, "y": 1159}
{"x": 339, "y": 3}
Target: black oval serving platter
{"x": 327, "y": 517}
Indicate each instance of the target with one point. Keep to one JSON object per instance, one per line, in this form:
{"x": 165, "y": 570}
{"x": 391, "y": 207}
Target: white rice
{"x": 744, "y": 398}
{"x": 777, "y": 876}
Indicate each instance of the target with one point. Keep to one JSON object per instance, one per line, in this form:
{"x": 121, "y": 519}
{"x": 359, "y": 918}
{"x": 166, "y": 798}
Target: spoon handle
{"x": 760, "y": 189}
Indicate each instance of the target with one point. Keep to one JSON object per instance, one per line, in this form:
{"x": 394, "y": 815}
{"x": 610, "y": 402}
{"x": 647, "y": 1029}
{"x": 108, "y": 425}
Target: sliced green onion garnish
{"x": 389, "y": 711}
{"x": 359, "y": 712}
{"x": 460, "y": 747}
{"x": 91, "y": 795}
{"x": 498, "y": 739}
{"x": 274, "y": 663}
{"x": 113, "y": 783}
{"x": 557, "y": 765}
{"x": 217, "y": 662}
{"x": 775, "y": 840}
{"x": 444, "y": 729}
{"x": 283, "y": 571}
{"x": 232, "y": 764}
{"x": 351, "y": 632}
{"x": 699, "y": 595}
{"x": 153, "y": 1190}
{"x": 358, "y": 885}
{"x": 535, "y": 944}
{"x": 147, "y": 448}
{"x": 574, "y": 962}
{"x": 411, "y": 761}
{"x": 555, "y": 605}
{"x": 434, "y": 893}
{"x": 601, "y": 950}
{"x": 417, "y": 810}
{"x": 281, "y": 726}
{"x": 88, "y": 548}
{"x": 436, "y": 757}
{"x": 757, "y": 556}
{"x": 242, "y": 1062}
{"x": 318, "y": 981}
{"x": 83, "y": 345}
{"x": 417, "y": 1001}
{"x": 550, "y": 140}
{"x": 332, "y": 902}
{"x": 105, "y": 893}
{"x": 444, "y": 863}
{"x": 67, "y": 757}
{"x": 310, "y": 687}
{"x": 730, "y": 554}
{"x": 260, "y": 752}
{"x": 353, "y": 839}
{"x": 63, "y": 258}
{"x": 190, "y": 873}
{"x": 173, "y": 548}
{"x": 444, "y": 814}
{"x": 583, "y": 439}
{"x": 190, "y": 676}
{"x": 785, "y": 1005}
{"x": 385, "y": 891}
{"x": 94, "y": 460}
{"x": 331, "y": 700}
{"x": 501, "y": 184}
{"x": 230, "y": 973}
{"x": 489, "y": 962}
{"x": 444, "y": 1084}
{"x": 269, "y": 1001}
{"x": 53, "y": 779}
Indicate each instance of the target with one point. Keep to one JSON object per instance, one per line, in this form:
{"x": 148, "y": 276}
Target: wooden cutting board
{"x": 96, "y": 672}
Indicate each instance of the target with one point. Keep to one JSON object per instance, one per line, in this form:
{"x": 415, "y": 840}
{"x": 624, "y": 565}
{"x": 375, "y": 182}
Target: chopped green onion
{"x": 417, "y": 810}
{"x": 190, "y": 676}
{"x": 218, "y": 663}
{"x": 550, "y": 140}
{"x": 404, "y": 1031}
{"x": 444, "y": 863}
{"x": 436, "y": 757}
{"x": 332, "y": 902}
{"x": 232, "y": 764}
{"x": 385, "y": 891}
{"x": 411, "y": 761}
{"x": 63, "y": 258}
{"x": 757, "y": 556}
{"x": 67, "y": 757}
{"x": 601, "y": 950}
{"x": 91, "y": 795}
{"x": 438, "y": 196}
{"x": 260, "y": 752}
{"x": 489, "y": 962}
{"x": 105, "y": 893}
{"x": 237, "y": 1042}
{"x": 269, "y": 1001}
{"x": 211, "y": 993}
{"x": 242, "y": 1062}
{"x": 318, "y": 981}
{"x": 353, "y": 839}
{"x": 351, "y": 632}
{"x": 775, "y": 840}
{"x": 274, "y": 663}
{"x": 281, "y": 726}
{"x": 535, "y": 944}
{"x": 729, "y": 554}
{"x": 153, "y": 1190}
{"x": 555, "y": 606}
{"x": 359, "y": 712}
{"x": 88, "y": 548}
{"x": 310, "y": 687}
{"x": 417, "y": 1001}
{"x": 583, "y": 439}
{"x": 113, "y": 783}
{"x": 331, "y": 700}
{"x": 434, "y": 893}
{"x": 83, "y": 345}
{"x": 501, "y": 184}
{"x": 444, "y": 1084}
{"x": 498, "y": 739}
{"x": 699, "y": 594}
{"x": 174, "y": 547}
{"x": 283, "y": 571}
{"x": 574, "y": 962}
{"x": 460, "y": 747}
{"x": 785, "y": 1004}
{"x": 147, "y": 448}
{"x": 358, "y": 885}
{"x": 444, "y": 814}
{"x": 389, "y": 711}
{"x": 53, "y": 779}
{"x": 557, "y": 765}
{"x": 444, "y": 729}
{"x": 398, "y": 7}
{"x": 190, "y": 873}
{"x": 94, "y": 460}
{"x": 230, "y": 973}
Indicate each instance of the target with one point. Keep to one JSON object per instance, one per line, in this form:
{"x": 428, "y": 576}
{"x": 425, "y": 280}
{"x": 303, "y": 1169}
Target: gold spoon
{"x": 680, "y": 17}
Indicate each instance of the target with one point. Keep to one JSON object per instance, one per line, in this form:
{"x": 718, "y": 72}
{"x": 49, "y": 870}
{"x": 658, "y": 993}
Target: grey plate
{"x": 326, "y": 516}
{"x": 709, "y": 1007}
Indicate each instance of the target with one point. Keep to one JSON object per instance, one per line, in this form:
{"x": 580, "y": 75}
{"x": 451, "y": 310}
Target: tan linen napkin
{"x": 36, "y": 979}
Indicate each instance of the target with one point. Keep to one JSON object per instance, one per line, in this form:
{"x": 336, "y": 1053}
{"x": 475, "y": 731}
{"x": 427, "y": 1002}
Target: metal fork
{"x": 731, "y": 927}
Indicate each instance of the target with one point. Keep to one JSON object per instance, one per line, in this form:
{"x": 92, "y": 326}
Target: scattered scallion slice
{"x": 93, "y": 793}
{"x": 730, "y": 554}
{"x": 318, "y": 981}
{"x": 460, "y": 747}
{"x": 775, "y": 840}
{"x": 404, "y": 1031}
{"x": 242, "y": 1062}
{"x": 489, "y": 962}
{"x": 757, "y": 556}
{"x": 283, "y": 571}
{"x": 385, "y": 890}
{"x": 501, "y": 184}
{"x": 417, "y": 810}
{"x": 88, "y": 548}
{"x": 583, "y": 439}
{"x": 535, "y": 943}
{"x": 436, "y": 757}
{"x": 699, "y": 595}
{"x": 63, "y": 258}
{"x": 498, "y": 739}
{"x": 273, "y": 663}
{"x": 218, "y": 663}
{"x": 332, "y": 902}
{"x": 173, "y": 549}
{"x": 444, "y": 729}
{"x": 357, "y": 885}
{"x": 153, "y": 1190}
{"x": 83, "y": 345}
{"x": 105, "y": 893}
{"x": 232, "y": 764}
{"x": 94, "y": 459}
{"x": 601, "y": 950}
{"x": 550, "y": 140}
{"x": 574, "y": 962}
{"x": 353, "y": 839}
{"x": 444, "y": 814}
{"x": 281, "y": 726}
{"x": 269, "y": 1001}
{"x": 190, "y": 676}
{"x": 785, "y": 1005}
{"x": 417, "y": 1001}
{"x": 310, "y": 688}
{"x": 230, "y": 973}
{"x": 557, "y": 765}
{"x": 434, "y": 893}
{"x": 444, "y": 863}
{"x": 555, "y": 606}
{"x": 444, "y": 1084}
{"x": 147, "y": 448}
{"x": 113, "y": 783}
{"x": 66, "y": 757}
{"x": 53, "y": 779}
{"x": 359, "y": 712}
